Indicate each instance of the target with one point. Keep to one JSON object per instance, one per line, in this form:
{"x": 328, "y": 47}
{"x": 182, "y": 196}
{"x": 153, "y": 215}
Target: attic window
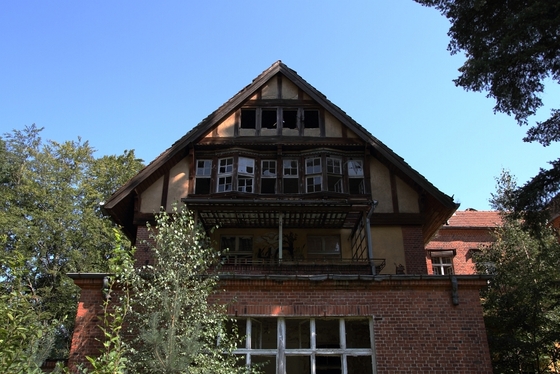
{"x": 248, "y": 118}
{"x": 268, "y": 120}
{"x": 311, "y": 119}
{"x": 289, "y": 118}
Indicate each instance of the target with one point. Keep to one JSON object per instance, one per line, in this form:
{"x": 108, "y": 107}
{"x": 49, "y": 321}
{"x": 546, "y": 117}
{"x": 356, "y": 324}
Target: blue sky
{"x": 138, "y": 75}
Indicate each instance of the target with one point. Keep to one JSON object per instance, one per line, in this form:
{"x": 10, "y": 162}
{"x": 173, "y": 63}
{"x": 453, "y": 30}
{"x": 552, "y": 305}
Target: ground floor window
{"x": 308, "y": 346}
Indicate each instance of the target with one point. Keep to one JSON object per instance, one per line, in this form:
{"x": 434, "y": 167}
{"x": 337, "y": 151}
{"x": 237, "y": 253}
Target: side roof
{"x": 474, "y": 219}
{"x": 122, "y": 197}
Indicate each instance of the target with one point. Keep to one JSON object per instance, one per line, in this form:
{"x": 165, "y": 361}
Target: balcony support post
{"x": 368, "y": 234}
{"x": 280, "y": 235}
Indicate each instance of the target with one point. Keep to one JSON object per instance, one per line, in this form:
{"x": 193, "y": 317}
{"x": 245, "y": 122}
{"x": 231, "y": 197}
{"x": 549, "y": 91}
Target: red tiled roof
{"x": 473, "y": 218}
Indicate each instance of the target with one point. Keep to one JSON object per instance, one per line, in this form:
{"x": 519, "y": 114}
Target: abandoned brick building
{"x": 327, "y": 229}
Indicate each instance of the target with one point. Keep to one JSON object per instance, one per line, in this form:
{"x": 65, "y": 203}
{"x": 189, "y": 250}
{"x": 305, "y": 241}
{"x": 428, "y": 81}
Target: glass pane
{"x": 329, "y": 365}
{"x": 298, "y": 364}
{"x": 357, "y": 333}
{"x": 246, "y": 244}
{"x": 202, "y": 185}
{"x": 204, "y": 167}
{"x": 359, "y": 364}
{"x": 268, "y": 169}
{"x": 328, "y": 333}
{"x": 228, "y": 242}
{"x": 263, "y": 333}
{"x": 266, "y": 364}
{"x": 355, "y": 168}
{"x": 297, "y": 334}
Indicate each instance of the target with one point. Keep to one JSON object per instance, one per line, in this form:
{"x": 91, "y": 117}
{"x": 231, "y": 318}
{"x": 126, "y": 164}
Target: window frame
{"x": 281, "y": 352}
{"x": 225, "y": 174}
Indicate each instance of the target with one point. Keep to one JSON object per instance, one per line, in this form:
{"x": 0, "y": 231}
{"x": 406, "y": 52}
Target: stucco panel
{"x": 270, "y": 89}
{"x": 407, "y": 196}
{"x": 178, "y": 183}
{"x": 380, "y": 180}
{"x": 388, "y": 244}
{"x": 150, "y": 199}
{"x": 289, "y": 90}
{"x": 225, "y": 129}
{"x": 333, "y": 127}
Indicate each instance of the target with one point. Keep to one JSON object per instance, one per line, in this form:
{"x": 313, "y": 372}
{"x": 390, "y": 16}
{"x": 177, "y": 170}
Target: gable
{"x": 282, "y": 114}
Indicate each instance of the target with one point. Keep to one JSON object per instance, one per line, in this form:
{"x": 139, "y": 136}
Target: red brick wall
{"x": 417, "y": 328}
{"x": 85, "y": 341}
{"x": 465, "y": 242}
{"x": 414, "y": 250}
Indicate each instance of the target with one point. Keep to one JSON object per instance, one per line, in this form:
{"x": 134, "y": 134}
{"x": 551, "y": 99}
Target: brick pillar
{"x": 143, "y": 255}
{"x": 87, "y": 338}
{"x": 414, "y": 250}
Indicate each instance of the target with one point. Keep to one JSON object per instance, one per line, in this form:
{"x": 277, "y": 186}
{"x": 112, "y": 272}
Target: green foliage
{"x": 522, "y": 303}
{"x": 178, "y": 330}
{"x": 25, "y": 339}
{"x": 511, "y": 48}
{"x": 112, "y": 359}
{"x": 50, "y": 215}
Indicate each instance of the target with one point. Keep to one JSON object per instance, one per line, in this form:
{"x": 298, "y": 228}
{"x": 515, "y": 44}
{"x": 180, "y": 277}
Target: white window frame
{"x": 355, "y": 170}
{"x": 314, "y": 176}
{"x": 204, "y": 171}
{"x": 442, "y": 262}
{"x": 281, "y": 352}
{"x": 246, "y": 175}
{"x": 334, "y": 170}
{"x": 225, "y": 175}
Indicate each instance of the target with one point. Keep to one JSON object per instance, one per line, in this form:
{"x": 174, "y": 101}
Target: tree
{"x": 178, "y": 330}
{"x": 511, "y": 48}
{"x": 50, "y": 214}
{"x": 522, "y": 303}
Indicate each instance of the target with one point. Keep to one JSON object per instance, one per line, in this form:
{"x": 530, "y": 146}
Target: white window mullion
{"x": 342, "y": 332}
{"x": 372, "y": 344}
{"x": 313, "y": 345}
{"x": 281, "y": 344}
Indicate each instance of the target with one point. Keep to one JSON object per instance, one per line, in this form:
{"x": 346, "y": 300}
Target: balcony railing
{"x": 249, "y": 265}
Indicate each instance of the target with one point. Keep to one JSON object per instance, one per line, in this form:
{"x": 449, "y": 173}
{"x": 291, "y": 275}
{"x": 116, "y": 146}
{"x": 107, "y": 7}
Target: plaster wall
{"x": 178, "y": 183}
{"x": 380, "y": 180}
{"x": 388, "y": 244}
{"x": 150, "y": 199}
{"x": 407, "y": 197}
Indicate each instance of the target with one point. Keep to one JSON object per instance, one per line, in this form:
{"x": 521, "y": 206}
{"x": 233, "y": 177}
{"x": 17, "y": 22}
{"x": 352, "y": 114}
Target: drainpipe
{"x": 280, "y": 235}
{"x": 368, "y": 233}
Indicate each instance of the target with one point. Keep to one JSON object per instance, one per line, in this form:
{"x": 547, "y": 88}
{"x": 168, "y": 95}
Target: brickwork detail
{"x": 87, "y": 338}
{"x": 417, "y": 328}
{"x": 414, "y": 250}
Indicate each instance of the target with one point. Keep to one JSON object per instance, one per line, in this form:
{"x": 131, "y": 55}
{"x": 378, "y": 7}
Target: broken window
{"x": 245, "y": 174}
{"x": 356, "y": 182}
{"x": 334, "y": 174}
{"x": 248, "y": 118}
{"x": 311, "y": 119}
{"x": 290, "y": 182}
{"x": 289, "y": 118}
{"x": 203, "y": 176}
{"x": 303, "y": 346}
{"x": 269, "y": 119}
{"x": 268, "y": 176}
{"x": 313, "y": 179}
{"x": 225, "y": 178}
{"x": 442, "y": 262}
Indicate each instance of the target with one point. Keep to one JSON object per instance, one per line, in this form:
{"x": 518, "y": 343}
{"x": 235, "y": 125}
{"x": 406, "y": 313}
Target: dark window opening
{"x": 268, "y": 185}
{"x": 202, "y": 186}
{"x": 311, "y": 119}
{"x": 248, "y": 118}
{"x": 334, "y": 183}
{"x": 356, "y": 186}
{"x": 289, "y": 118}
{"x": 268, "y": 120}
{"x": 290, "y": 185}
